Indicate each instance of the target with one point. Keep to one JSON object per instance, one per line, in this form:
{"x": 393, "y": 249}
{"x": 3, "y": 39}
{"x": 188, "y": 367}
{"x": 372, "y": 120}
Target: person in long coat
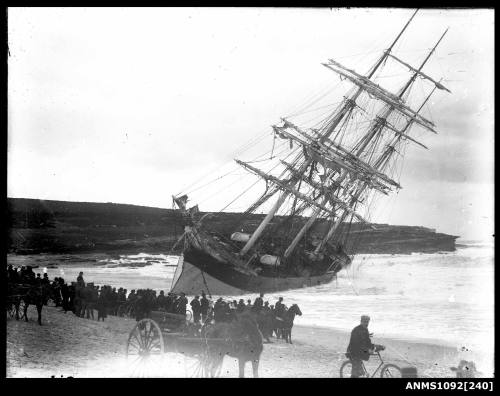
{"x": 196, "y": 308}
{"x": 360, "y": 346}
{"x": 102, "y": 304}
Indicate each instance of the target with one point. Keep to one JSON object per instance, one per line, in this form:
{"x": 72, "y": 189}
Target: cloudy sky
{"x": 133, "y": 105}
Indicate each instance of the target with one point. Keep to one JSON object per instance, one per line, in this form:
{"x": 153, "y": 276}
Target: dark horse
{"x": 240, "y": 338}
{"x": 29, "y": 294}
{"x": 285, "y": 323}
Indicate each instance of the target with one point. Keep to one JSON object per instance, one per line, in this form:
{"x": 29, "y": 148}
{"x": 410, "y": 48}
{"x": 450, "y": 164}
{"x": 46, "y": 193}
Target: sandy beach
{"x": 70, "y": 346}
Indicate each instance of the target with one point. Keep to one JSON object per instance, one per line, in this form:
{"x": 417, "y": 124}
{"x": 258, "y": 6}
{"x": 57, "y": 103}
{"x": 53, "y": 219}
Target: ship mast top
{"x": 347, "y": 175}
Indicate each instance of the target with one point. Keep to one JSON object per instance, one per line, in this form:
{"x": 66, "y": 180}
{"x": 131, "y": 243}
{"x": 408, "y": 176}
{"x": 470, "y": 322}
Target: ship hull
{"x": 192, "y": 276}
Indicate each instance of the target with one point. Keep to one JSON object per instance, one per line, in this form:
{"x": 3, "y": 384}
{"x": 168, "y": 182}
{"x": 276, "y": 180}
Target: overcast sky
{"x": 132, "y": 105}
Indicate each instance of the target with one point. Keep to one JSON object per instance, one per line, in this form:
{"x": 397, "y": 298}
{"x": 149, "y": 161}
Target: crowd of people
{"x": 83, "y": 299}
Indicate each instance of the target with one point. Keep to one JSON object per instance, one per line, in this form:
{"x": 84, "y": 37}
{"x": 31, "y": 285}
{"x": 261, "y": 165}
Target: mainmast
{"x": 349, "y": 104}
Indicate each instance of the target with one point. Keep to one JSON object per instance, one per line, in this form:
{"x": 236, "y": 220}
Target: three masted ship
{"x": 329, "y": 178}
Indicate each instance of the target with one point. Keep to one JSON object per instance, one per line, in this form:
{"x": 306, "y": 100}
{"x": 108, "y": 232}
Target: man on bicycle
{"x": 360, "y": 346}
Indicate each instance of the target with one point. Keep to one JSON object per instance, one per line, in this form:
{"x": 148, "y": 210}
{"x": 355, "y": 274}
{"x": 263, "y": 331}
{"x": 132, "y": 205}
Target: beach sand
{"x": 70, "y": 346}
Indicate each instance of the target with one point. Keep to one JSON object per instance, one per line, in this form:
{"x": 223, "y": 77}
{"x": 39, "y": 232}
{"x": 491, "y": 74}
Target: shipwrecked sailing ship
{"x": 329, "y": 176}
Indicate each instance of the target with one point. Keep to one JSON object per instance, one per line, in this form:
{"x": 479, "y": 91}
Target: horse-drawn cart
{"x": 162, "y": 333}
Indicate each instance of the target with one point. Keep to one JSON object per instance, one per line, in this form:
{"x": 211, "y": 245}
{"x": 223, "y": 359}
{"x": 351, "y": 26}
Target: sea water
{"x": 446, "y": 298}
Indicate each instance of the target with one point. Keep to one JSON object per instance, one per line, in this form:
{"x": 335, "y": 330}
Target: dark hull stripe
{"x": 223, "y": 279}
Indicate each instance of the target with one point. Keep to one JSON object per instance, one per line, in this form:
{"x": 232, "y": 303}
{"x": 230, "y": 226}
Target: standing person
{"x": 279, "y": 308}
{"x": 101, "y": 304}
{"x": 196, "y": 308}
{"x": 360, "y": 346}
{"x": 218, "y": 310}
{"x": 65, "y": 295}
{"x": 87, "y": 296}
{"x": 240, "y": 308}
{"x": 71, "y": 297}
{"x": 78, "y": 300}
{"x": 161, "y": 301}
{"x": 113, "y": 301}
{"x": 45, "y": 279}
{"x": 181, "y": 304}
{"x": 258, "y": 303}
{"x": 169, "y": 302}
{"x": 175, "y": 302}
{"x": 204, "y": 305}
{"x": 80, "y": 280}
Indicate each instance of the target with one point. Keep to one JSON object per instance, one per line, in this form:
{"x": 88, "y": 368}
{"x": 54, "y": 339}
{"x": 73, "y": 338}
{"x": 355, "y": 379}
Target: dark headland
{"x": 43, "y": 226}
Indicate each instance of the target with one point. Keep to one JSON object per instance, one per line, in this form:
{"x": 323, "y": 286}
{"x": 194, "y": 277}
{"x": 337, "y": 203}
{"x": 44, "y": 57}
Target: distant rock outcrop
{"x": 42, "y": 226}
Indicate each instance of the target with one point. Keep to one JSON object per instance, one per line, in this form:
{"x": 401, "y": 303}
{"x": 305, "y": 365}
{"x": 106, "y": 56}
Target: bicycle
{"x": 387, "y": 370}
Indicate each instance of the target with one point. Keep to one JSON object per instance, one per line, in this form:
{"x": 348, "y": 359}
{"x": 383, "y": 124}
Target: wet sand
{"x": 70, "y": 346}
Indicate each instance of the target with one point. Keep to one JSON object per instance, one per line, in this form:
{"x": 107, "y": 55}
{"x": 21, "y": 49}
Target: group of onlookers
{"x": 83, "y": 299}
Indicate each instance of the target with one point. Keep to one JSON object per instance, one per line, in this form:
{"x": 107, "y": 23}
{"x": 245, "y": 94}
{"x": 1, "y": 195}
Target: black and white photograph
{"x": 250, "y": 192}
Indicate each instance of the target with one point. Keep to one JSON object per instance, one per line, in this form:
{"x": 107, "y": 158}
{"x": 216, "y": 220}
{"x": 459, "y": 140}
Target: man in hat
{"x": 258, "y": 303}
{"x": 279, "y": 308}
{"x": 240, "y": 308}
{"x": 360, "y": 346}
{"x": 181, "y": 304}
{"x": 80, "y": 280}
{"x": 161, "y": 301}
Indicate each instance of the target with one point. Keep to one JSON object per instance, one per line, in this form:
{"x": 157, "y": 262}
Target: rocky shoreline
{"x": 38, "y": 226}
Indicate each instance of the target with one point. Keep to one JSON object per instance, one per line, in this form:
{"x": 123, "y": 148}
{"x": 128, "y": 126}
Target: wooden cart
{"x": 163, "y": 333}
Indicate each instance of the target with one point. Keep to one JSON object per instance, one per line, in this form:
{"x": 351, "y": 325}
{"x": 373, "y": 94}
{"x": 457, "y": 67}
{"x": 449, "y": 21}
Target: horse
{"x": 285, "y": 323}
{"x": 37, "y": 295}
{"x": 242, "y": 340}
{"x": 265, "y": 321}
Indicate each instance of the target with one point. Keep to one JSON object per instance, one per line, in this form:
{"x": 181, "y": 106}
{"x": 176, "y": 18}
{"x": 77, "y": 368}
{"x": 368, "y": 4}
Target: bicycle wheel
{"x": 390, "y": 371}
{"x": 346, "y": 369}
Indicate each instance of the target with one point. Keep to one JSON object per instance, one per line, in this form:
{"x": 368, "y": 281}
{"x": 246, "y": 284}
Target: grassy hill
{"x": 42, "y": 226}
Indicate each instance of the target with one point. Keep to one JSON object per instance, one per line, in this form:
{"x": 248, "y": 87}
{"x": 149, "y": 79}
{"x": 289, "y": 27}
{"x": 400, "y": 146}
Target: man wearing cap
{"x": 359, "y": 347}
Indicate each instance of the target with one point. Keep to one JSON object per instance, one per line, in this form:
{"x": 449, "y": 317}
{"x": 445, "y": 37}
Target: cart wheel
{"x": 145, "y": 349}
{"x": 189, "y": 316}
{"x": 204, "y": 368}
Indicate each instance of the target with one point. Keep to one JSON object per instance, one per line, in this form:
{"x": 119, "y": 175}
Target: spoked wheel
{"x": 189, "y": 315}
{"x": 145, "y": 349}
{"x": 390, "y": 371}
{"x": 197, "y": 368}
{"x": 205, "y": 368}
{"x": 346, "y": 370}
